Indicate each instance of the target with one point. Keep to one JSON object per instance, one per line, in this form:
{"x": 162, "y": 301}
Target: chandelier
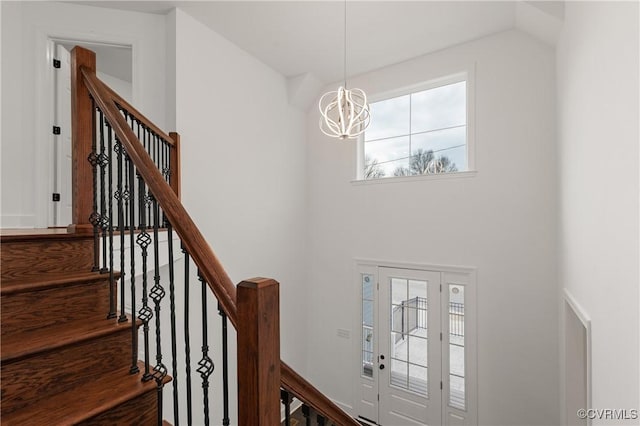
{"x": 344, "y": 112}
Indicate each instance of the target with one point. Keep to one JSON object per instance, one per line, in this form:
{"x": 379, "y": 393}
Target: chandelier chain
{"x": 345, "y": 44}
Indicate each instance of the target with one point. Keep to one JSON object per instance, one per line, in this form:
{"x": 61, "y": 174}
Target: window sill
{"x": 399, "y": 179}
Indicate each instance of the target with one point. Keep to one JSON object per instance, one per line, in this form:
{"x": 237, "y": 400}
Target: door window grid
{"x": 409, "y": 366}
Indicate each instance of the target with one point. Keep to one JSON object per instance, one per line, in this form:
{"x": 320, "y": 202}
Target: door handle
{"x": 381, "y": 366}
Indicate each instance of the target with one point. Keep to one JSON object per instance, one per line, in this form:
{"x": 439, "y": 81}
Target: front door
{"x": 409, "y": 367}
{"x": 400, "y": 378}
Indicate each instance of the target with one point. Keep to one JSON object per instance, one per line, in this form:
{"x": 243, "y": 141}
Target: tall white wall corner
{"x": 542, "y": 20}
{"x": 302, "y": 90}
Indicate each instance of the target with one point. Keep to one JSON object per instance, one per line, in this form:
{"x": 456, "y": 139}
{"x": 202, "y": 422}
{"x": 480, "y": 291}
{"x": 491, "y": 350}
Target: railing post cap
{"x": 258, "y": 282}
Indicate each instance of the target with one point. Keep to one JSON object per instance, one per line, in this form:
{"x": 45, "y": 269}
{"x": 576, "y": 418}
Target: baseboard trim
{"x": 17, "y": 221}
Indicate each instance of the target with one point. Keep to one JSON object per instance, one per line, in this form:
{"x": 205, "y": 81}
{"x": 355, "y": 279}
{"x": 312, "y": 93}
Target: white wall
{"x": 597, "y": 59}
{"x": 121, "y": 87}
{"x": 243, "y": 168}
{"x": 501, "y": 221}
{"x": 25, "y": 73}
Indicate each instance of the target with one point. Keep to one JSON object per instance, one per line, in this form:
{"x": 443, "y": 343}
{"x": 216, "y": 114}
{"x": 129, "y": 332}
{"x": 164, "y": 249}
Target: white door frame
{"x": 45, "y": 39}
{"x": 455, "y": 275}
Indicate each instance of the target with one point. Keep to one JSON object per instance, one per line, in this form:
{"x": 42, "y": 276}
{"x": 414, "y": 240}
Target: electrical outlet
{"x": 345, "y": 334}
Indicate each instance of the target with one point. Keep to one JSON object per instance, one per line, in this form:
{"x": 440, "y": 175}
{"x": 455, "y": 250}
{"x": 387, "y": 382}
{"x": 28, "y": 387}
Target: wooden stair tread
{"x": 42, "y": 340}
{"x": 50, "y": 281}
{"x": 13, "y": 235}
{"x": 85, "y": 401}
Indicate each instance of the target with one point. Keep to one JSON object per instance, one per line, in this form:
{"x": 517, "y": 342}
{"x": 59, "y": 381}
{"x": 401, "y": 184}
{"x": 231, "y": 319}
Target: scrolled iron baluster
{"x": 134, "y": 329}
{"x": 94, "y": 218}
{"x": 205, "y": 365}
{"x": 320, "y": 419}
{"x": 187, "y": 337}
{"x": 286, "y": 401}
{"x": 103, "y": 160}
{"x": 126, "y": 194}
{"x": 306, "y": 412}
{"x": 120, "y": 195}
{"x": 225, "y": 368}
{"x": 172, "y": 308}
{"x": 143, "y": 240}
{"x": 156, "y": 294}
{"x": 112, "y": 282}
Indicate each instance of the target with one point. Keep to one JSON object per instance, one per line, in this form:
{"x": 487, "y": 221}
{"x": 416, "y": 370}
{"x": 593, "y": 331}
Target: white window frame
{"x": 467, "y": 74}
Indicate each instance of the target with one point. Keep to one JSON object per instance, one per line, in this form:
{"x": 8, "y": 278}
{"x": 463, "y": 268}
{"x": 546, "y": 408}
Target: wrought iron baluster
{"x": 137, "y": 225}
{"x": 94, "y": 219}
{"x": 126, "y": 195}
{"x": 205, "y": 366}
{"x": 149, "y": 142}
{"x": 157, "y": 294}
{"x": 225, "y": 368}
{"x": 286, "y": 400}
{"x": 104, "y": 220}
{"x": 165, "y": 170}
{"x": 172, "y": 308}
{"x": 120, "y": 195}
{"x": 112, "y": 282}
{"x": 187, "y": 338}
{"x": 134, "y": 329}
{"x": 143, "y": 240}
{"x": 320, "y": 419}
{"x": 306, "y": 412}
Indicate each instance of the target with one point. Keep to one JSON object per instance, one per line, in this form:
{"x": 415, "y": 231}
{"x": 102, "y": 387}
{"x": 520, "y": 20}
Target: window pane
{"x": 398, "y": 290}
{"x": 450, "y": 143}
{"x": 417, "y": 289}
{"x": 399, "y": 373}
{"x": 418, "y": 379}
{"x": 439, "y": 108}
{"x": 367, "y": 286}
{"x": 400, "y": 346}
{"x": 367, "y": 351}
{"x": 456, "y": 347}
{"x": 389, "y": 118}
{"x": 367, "y": 313}
{"x": 384, "y": 156}
{"x": 398, "y": 319}
{"x": 418, "y": 349}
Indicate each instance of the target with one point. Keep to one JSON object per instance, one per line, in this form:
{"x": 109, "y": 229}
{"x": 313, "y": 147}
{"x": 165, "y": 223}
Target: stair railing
{"x": 126, "y": 186}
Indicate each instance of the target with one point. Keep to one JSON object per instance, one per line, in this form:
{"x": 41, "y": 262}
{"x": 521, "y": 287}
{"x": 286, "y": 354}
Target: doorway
{"x": 577, "y": 369}
{"x": 115, "y": 68}
{"x": 416, "y": 352}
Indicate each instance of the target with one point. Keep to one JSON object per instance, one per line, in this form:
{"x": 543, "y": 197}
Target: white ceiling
{"x": 298, "y": 37}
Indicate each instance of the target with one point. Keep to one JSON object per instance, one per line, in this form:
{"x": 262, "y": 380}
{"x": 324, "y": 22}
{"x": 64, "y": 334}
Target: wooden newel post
{"x": 258, "y": 307}
{"x": 82, "y": 134}
{"x": 175, "y": 164}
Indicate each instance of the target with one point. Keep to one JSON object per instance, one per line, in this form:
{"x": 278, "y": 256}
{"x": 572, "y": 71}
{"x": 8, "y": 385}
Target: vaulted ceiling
{"x": 299, "y": 37}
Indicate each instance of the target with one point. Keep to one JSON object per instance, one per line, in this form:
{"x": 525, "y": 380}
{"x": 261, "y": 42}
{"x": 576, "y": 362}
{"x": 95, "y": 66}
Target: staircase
{"x": 63, "y": 361}
{"x": 69, "y": 357}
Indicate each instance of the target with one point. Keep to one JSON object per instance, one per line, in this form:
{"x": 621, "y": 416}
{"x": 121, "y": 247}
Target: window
{"x": 419, "y": 132}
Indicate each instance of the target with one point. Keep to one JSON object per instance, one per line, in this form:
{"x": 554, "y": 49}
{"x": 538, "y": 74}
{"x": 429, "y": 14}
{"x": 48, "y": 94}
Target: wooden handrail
{"x": 307, "y": 393}
{"x": 209, "y": 266}
{"x": 139, "y": 116}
